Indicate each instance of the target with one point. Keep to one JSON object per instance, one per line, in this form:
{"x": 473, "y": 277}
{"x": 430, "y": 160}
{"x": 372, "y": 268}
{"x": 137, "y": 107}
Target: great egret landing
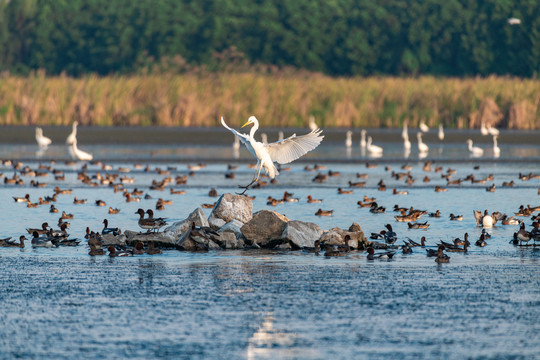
{"x": 73, "y": 136}
{"x": 282, "y": 152}
{"x": 475, "y": 150}
{"x": 43, "y": 141}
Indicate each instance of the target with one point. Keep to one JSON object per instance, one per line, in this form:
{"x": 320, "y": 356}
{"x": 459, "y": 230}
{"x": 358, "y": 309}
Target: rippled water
{"x": 263, "y": 304}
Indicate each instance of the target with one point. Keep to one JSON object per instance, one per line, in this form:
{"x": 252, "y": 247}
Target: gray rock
{"x": 230, "y": 207}
{"x": 110, "y": 239}
{"x": 185, "y": 242}
{"x": 180, "y": 227}
{"x": 301, "y": 234}
{"x": 265, "y": 228}
{"x": 336, "y": 236}
{"x": 283, "y": 246}
{"x": 232, "y": 226}
{"x": 160, "y": 239}
{"x": 230, "y": 241}
{"x": 215, "y": 223}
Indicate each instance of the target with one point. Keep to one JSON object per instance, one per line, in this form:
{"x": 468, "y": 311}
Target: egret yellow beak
{"x": 246, "y": 124}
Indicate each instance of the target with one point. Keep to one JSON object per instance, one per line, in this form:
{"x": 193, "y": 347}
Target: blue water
{"x": 61, "y": 303}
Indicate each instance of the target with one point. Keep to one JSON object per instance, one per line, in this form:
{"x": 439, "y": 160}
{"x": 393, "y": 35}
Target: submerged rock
{"x": 265, "y": 229}
{"x": 233, "y": 207}
{"x": 301, "y": 234}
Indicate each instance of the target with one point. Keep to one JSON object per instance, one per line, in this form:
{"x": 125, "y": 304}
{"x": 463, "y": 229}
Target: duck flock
{"x": 383, "y": 244}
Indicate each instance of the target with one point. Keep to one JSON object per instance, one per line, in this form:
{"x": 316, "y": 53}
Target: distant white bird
{"x": 492, "y": 131}
{"x": 496, "y": 149}
{"x": 236, "y": 144}
{"x": 312, "y": 124}
{"x": 423, "y": 127}
{"x": 264, "y": 138}
{"x": 404, "y": 133}
{"x": 407, "y": 144}
{"x": 282, "y": 152}
{"x": 348, "y": 140}
{"x": 373, "y": 149}
{"x": 363, "y": 139}
{"x": 483, "y": 129}
{"x": 78, "y": 154}
{"x": 475, "y": 150}
{"x": 422, "y": 148}
{"x": 43, "y": 141}
{"x": 441, "y": 132}
{"x": 514, "y": 21}
{"x": 73, "y": 136}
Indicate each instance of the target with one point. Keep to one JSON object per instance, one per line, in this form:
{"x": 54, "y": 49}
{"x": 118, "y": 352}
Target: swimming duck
{"x": 424, "y": 225}
{"x": 321, "y": 212}
{"x": 341, "y": 191}
{"x": 376, "y": 209}
{"x": 487, "y": 220}
{"x": 441, "y": 256}
{"x": 79, "y": 201}
{"x": 312, "y": 200}
{"x": 100, "y": 203}
{"x": 139, "y": 248}
{"x": 357, "y": 184}
{"x": 8, "y": 243}
{"x": 481, "y": 241}
{"x": 362, "y": 205}
{"x": 401, "y": 192}
{"x": 523, "y": 235}
{"x": 390, "y": 236}
{"x": 151, "y": 250}
{"x": 456, "y": 217}
{"x": 486, "y": 234}
{"x": 44, "y": 229}
{"x": 25, "y": 198}
{"x": 66, "y": 216}
{"x": 491, "y": 188}
{"x": 372, "y": 256}
{"x": 436, "y": 214}
{"x": 413, "y": 243}
{"x": 406, "y": 249}
{"x": 440, "y": 189}
{"x": 108, "y": 230}
{"x": 114, "y": 253}
{"x": 113, "y": 211}
{"x": 41, "y": 241}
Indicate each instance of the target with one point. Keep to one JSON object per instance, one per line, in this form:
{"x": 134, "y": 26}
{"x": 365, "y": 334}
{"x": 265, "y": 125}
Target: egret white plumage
{"x": 373, "y": 149}
{"x": 496, "y": 149}
{"x": 406, "y": 143}
{"x": 422, "y": 148}
{"x": 363, "y": 139}
{"x": 282, "y": 152}
{"x": 441, "y": 132}
{"x": 43, "y": 141}
{"x": 475, "y": 150}
{"x": 483, "y": 129}
{"x": 78, "y": 154}
{"x": 404, "y": 133}
{"x": 348, "y": 139}
{"x": 423, "y": 127}
{"x": 492, "y": 131}
{"x": 73, "y": 136}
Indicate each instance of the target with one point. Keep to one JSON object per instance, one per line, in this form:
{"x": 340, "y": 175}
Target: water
{"x": 265, "y": 304}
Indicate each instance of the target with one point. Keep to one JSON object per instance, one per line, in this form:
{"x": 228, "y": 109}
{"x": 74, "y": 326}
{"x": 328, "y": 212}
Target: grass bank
{"x": 277, "y": 100}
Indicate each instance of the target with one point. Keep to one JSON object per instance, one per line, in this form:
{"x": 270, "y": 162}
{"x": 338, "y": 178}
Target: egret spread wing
{"x": 293, "y": 147}
{"x": 244, "y": 138}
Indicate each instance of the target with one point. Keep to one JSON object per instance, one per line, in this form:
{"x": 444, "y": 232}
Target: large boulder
{"x": 230, "y": 207}
{"x": 110, "y": 239}
{"x": 265, "y": 228}
{"x": 301, "y": 234}
{"x": 180, "y": 227}
{"x": 234, "y": 226}
{"x": 230, "y": 241}
{"x": 160, "y": 239}
{"x": 336, "y": 236}
{"x": 185, "y": 242}
{"x": 216, "y": 223}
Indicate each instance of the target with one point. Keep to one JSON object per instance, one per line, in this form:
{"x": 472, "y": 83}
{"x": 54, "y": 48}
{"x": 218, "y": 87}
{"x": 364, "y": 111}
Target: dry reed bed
{"x": 282, "y": 100}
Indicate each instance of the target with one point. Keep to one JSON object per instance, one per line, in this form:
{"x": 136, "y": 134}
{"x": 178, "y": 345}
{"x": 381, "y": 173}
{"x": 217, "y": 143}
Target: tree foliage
{"x": 336, "y": 37}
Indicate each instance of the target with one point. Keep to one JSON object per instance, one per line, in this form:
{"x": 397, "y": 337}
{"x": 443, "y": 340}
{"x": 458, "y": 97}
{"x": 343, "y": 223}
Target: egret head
{"x": 251, "y": 120}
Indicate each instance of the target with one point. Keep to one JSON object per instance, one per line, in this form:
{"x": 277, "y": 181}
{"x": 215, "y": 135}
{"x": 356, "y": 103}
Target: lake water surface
{"x": 60, "y": 303}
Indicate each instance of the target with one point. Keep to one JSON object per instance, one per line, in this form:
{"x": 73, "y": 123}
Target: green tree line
{"x": 335, "y": 37}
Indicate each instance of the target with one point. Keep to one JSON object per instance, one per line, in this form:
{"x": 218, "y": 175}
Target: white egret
{"x": 492, "y": 131}
{"x": 404, "y": 133}
{"x": 282, "y": 152}
{"x": 78, "y": 154}
{"x": 514, "y": 21}
{"x": 496, "y": 149}
{"x": 312, "y": 124}
{"x": 407, "y": 144}
{"x": 373, "y": 149}
{"x": 73, "y": 136}
{"x": 363, "y": 139}
{"x": 422, "y": 148}
{"x": 348, "y": 140}
{"x": 441, "y": 132}
{"x": 423, "y": 127}
{"x": 236, "y": 144}
{"x": 43, "y": 141}
{"x": 475, "y": 150}
{"x": 483, "y": 129}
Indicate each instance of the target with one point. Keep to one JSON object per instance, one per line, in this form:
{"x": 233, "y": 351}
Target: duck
{"x": 44, "y": 229}
{"x": 406, "y": 249}
{"x": 108, "y": 230}
{"x": 41, "y": 241}
{"x": 401, "y": 192}
{"x": 390, "y": 235}
{"x": 413, "y": 243}
{"x": 486, "y": 220}
{"x": 372, "y": 256}
{"x": 340, "y": 250}
{"x": 57, "y": 191}
{"x": 456, "y": 217}
{"x": 424, "y": 225}
{"x": 53, "y": 209}
{"x": 321, "y": 212}
{"x": 523, "y": 235}
{"x": 100, "y": 203}
{"x": 203, "y": 235}
{"x": 341, "y": 191}
{"x": 7, "y": 243}
{"x": 113, "y": 211}
{"x": 357, "y": 184}
{"x": 406, "y": 217}
{"x": 481, "y": 241}
{"x": 151, "y": 250}
{"x": 139, "y": 248}
{"x": 436, "y": 214}
{"x": 96, "y": 251}
{"x": 362, "y": 204}
{"x": 491, "y": 188}
{"x": 376, "y": 209}
{"x": 114, "y": 253}
{"x": 311, "y": 200}
{"x": 149, "y": 223}
{"x": 213, "y": 193}
{"x": 441, "y": 256}
{"x": 25, "y": 198}
{"x": 79, "y": 201}
{"x": 66, "y": 216}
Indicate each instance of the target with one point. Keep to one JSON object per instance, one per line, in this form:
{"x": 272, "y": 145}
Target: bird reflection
{"x": 270, "y": 343}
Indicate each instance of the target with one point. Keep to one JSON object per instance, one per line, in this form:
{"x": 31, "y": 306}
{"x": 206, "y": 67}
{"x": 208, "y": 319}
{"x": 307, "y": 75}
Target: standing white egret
{"x": 282, "y": 152}
{"x": 404, "y": 133}
{"x": 78, "y": 154}
{"x": 236, "y": 144}
{"x": 43, "y": 141}
{"x": 348, "y": 139}
{"x": 483, "y": 130}
{"x": 312, "y": 124}
{"x": 406, "y": 144}
{"x": 373, "y": 149}
{"x": 475, "y": 150}
{"x": 496, "y": 149}
{"x": 422, "y": 148}
{"x": 492, "y": 131}
{"x": 423, "y": 127}
{"x": 363, "y": 139}
{"x": 73, "y": 136}
{"x": 441, "y": 132}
